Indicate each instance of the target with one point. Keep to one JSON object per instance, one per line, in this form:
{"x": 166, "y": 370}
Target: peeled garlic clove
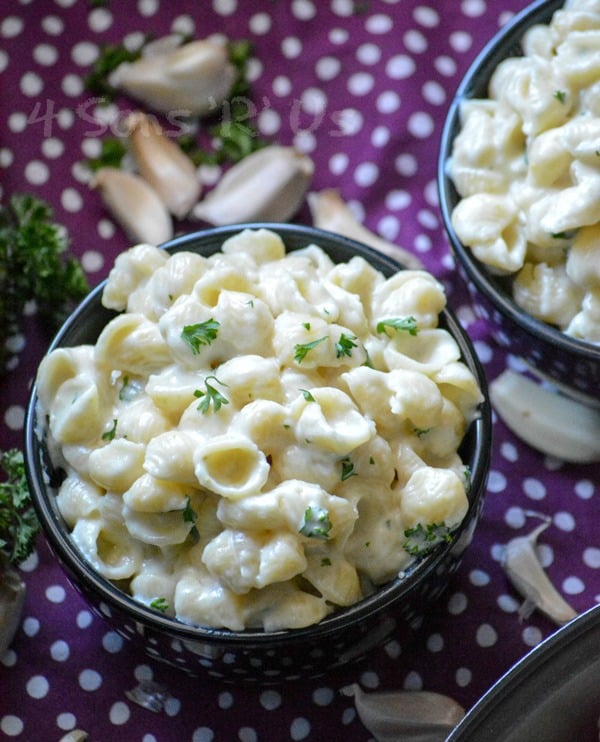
{"x": 523, "y": 568}
{"x": 135, "y": 205}
{"x": 163, "y": 164}
{"x": 192, "y": 79}
{"x": 330, "y": 212}
{"x": 410, "y": 716}
{"x": 546, "y": 420}
{"x": 267, "y": 185}
{"x": 12, "y": 598}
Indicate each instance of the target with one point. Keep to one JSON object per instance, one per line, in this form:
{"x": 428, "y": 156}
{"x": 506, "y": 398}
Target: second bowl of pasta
{"x": 266, "y": 445}
{"x": 518, "y": 173}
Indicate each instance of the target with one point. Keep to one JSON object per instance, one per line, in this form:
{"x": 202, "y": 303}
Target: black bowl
{"x": 571, "y": 364}
{"x": 551, "y": 694}
{"x": 254, "y": 655}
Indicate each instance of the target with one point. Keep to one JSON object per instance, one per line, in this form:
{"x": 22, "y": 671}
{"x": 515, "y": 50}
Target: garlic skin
{"x": 267, "y": 185}
{"x": 162, "y": 163}
{"x": 410, "y": 716}
{"x": 192, "y": 79}
{"x": 330, "y": 212}
{"x": 524, "y": 569}
{"x": 134, "y": 204}
{"x": 546, "y": 420}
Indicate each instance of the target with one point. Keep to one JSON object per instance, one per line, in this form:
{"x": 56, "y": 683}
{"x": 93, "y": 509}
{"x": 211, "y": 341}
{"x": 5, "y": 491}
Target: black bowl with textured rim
{"x": 255, "y": 655}
{"x": 571, "y": 364}
{"x": 552, "y": 694}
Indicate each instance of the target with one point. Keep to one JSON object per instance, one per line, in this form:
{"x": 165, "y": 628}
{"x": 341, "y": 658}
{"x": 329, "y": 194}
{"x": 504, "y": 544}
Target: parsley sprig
{"x": 420, "y": 539}
{"x": 406, "y": 324}
{"x": 19, "y": 525}
{"x": 316, "y": 523}
{"x": 344, "y": 345}
{"x": 199, "y": 334}
{"x": 301, "y": 350}
{"x": 211, "y": 396}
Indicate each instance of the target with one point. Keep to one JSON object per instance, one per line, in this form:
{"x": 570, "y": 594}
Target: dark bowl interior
{"x": 551, "y": 694}
{"x": 571, "y": 364}
{"x": 254, "y": 655}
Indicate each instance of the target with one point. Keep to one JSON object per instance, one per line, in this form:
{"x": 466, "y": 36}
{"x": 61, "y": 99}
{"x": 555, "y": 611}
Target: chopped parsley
{"x": 406, "y": 324}
{"x": 160, "y": 604}
{"x": 301, "y": 350}
{"x": 560, "y": 95}
{"x": 189, "y": 514}
{"x": 420, "y": 540}
{"x": 211, "y": 395}
{"x": 344, "y": 345}
{"x": 347, "y": 469}
{"x": 199, "y": 334}
{"x": 316, "y": 523}
{"x": 110, "y": 434}
{"x": 307, "y": 395}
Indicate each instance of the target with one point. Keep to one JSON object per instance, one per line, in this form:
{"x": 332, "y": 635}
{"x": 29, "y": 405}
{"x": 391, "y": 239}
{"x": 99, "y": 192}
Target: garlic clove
{"x": 524, "y": 569}
{"x": 267, "y": 185}
{"x": 134, "y": 204}
{"x": 193, "y": 79}
{"x": 162, "y": 163}
{"x": 411, "y": 716}
{"x": 12, "y": 598}
{"x": 330, "y": 212}
{"x": 546, "y": 420}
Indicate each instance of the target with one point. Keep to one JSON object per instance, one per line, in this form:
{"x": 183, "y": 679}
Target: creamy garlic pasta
{"x": 526, "y": 163}
{"x": 259, "y": 437}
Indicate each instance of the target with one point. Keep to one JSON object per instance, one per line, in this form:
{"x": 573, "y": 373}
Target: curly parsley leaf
{"x": 211, "y": 395}
{"x": 420, "y": 539}
{"x": 344, "y": 345}
{"x": 316, "y": 523}
{"x": 19, "y": 525}
{"x": 202, "y": 333}
{"x": 301, "y": 350}
{"x": 406, "y": 324}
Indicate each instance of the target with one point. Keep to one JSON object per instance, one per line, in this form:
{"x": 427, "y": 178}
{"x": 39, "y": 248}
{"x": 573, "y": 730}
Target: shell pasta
{"x": 259, "y": 437}
{"x": 526, "y": 165}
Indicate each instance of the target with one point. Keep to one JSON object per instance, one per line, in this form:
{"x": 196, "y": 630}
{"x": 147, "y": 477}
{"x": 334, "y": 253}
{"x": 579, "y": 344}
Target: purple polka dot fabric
{"x": 363, "y": 87}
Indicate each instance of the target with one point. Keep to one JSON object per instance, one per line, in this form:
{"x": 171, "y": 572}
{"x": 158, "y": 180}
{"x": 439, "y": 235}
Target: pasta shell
{"x": 411, "y": 716}
{"x": 268, "y": 185}
{"x": 331, "y": 213}
{"x": 192, "y": 79}
{"x": 135, "y": 205}
{"x": 163, "y": 164}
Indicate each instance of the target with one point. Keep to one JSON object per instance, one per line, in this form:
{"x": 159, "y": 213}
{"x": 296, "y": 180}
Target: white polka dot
{"x": 323, "y": 696}
{"x": 508, "y": 450}
{"x": 31, "y": 84}
{"x": 393, "y": 649}
{"x": 31, "y": 626}
{"x": 282, "y": 85}
{"x": 112, "y": 642}
{"x": 435, "y": 643}
{"x": 457, "y": 603}
{"x": 388, "y": 102}
{"x": 269, "y": 122}
{"x": 53, "y": 25}
{"x": 591, "y": 557}
{"x": 434, "y": 93}
{"x": 84, "y": 53}
{"x": 400, "y": 67}
{"x": 72, "y": 85}
{"x": 515, "y": 517}
{"x": 415, "y": 42}
{"x": 380, "y": 136}
{"x": 45, "y": 54}
{"x": 564, "y": 521}
{"x": 148, "y": 8}
{"x": 270, "y": 699}
{"x": 60, "y": 651}
{"x": 369, "y": 679}
{"x": 413, "y": 681}
{"x": 100, "y": 19}
{"x": 90, "y": 680}
{"x": 52, "y": 148}
{"x": 486, "y": 635}
{"x": 327, "y": 68}
{"x": 534, "y": 489}
{"x": 224, "y": 7}
{"x": 532, "y": 636}
{"x": 422, "y": 243}
{"x": 38, "y": 686}
{"x": 247, "y": 734}
{"x": 368, "y": 54}
{"x": 11, "y": 725}
{"x": 584, "y": 489}
{"x": 314, "y": 101}
{"x": 66, "y": 721}
{"x": 119, "y": 713}
{"x": 379, "y": 24}
{"x": 299, "y": 728}
{"x": 291, "y": 47}
{"x": 420, "y": 124}
{"x": 260, "y": 24}
{"x": 338, "y": 36}
{"x": 573, "y": 586}
{"x": 426, "y": 16}
{"x": 11, "y": 27}
{"x": 349, "y": 121}
{"x": 479, "y": 577}
{"x": 507, "y": 603}
{"x": 496, "y": 481}
{"x": 338, "y": 163}
{"x": 445, "y": 66}
{"x": 427, "y": 219}
{"x": 343, "y": 8}
{"x": 463, "y": 677}
{"x": 37, "y": 172}
{"x": 71, "y": 200}
{"x": 203, "y": 734}
{"x": 360, "y": 83}
{"x": 84, "y": 619}
{"x": 389, "y": 227}
{"x": 366, "y": 174}
{"x": 473, "y": 8}
{"x": 56, "y": 594}
{"x": 14, "y": 416}
{"x": 184, "y": 24}
{"x": 460, "y": 41}
{"x": 225, "y": 700}
{"x": 304, "y": 10}
{"x": 106, "y": 229}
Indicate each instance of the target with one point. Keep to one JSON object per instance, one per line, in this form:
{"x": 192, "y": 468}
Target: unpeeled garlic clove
{"x": 547, "y": 420}
{"x": 192, "y": 79}
{"x": 134, "y": 204}
{"x": 524, "y": 569}
{"x": 163, "y": 164}
{"x": 330, "y": 212}
{"x": 267, "y": 185}
{"x": 411, "y": 716}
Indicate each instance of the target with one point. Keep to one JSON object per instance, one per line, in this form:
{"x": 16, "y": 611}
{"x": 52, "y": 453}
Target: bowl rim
{"x": 487, "y": 59}
{"x": 112, "y": 596}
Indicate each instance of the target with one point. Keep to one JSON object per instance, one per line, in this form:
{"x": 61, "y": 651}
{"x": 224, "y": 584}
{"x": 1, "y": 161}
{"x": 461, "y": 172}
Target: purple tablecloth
{"x": 364, "y": 88}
